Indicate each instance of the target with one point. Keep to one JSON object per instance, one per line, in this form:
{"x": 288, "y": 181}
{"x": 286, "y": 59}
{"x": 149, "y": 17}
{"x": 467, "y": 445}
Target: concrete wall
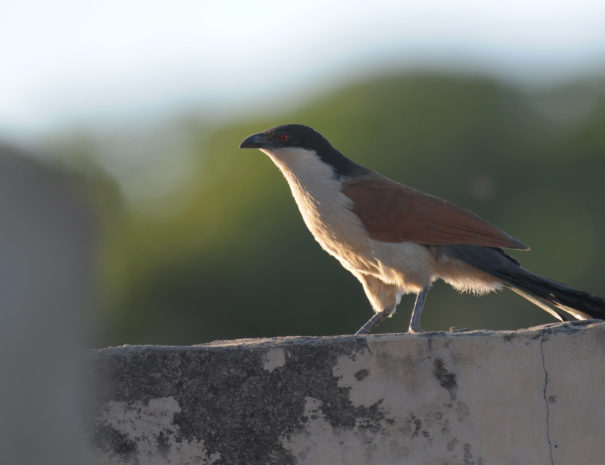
{"x": 535, "y": 396}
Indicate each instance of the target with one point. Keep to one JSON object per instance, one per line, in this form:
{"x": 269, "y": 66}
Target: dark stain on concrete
{"x": 468, "y": 456}
{"x": 114, "y": 443}
{"x": 361, "y": 374}
{"x": 417, "y": 427}
{"x": 163, "y": 444}
{"x": 446, "y": 378}
{"x": 452, "y": 444}
{"x": 227, "y": 399}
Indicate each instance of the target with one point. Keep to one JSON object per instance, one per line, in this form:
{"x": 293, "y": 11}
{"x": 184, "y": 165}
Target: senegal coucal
{"x": 398, "y": 240}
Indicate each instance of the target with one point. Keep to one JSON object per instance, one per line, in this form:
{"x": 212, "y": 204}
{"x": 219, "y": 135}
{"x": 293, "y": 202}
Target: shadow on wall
{"x": 47, "y": 247}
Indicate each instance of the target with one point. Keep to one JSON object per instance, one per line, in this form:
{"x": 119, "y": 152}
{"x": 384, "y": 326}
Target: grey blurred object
{"x": 47, "y": 275}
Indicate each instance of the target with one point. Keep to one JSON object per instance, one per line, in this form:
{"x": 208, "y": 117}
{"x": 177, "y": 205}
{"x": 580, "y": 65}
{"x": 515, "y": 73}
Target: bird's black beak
{"x": 255, "y": 141}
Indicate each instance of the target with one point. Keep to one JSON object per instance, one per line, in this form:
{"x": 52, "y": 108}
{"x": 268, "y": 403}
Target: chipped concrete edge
{"x": 277, "y": 341}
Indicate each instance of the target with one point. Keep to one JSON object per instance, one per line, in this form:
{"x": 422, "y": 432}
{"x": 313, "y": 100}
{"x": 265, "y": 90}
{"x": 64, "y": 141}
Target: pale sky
{"x": 71, "y": 63}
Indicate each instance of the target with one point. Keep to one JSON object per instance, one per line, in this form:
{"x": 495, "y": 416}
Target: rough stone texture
{"x": 519, "y": 397}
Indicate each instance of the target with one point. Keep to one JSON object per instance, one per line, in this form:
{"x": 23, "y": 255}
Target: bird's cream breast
{"x": 325, "y": 209}
{"x": 328, "y": 213}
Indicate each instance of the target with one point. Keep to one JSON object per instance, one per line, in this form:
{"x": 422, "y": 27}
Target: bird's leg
{"x": 376, "y": 319}
{"x": 417, "y": 311}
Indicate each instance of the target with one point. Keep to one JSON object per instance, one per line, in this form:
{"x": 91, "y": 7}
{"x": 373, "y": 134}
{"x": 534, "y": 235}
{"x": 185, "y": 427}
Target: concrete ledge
{"x": 523, "y": 397}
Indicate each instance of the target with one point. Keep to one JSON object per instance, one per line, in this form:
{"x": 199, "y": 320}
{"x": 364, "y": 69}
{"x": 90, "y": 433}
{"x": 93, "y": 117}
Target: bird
{"x": 398, "y": 240}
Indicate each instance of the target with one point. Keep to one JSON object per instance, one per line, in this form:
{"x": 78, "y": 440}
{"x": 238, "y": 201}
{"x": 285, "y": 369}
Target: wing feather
{"x": 393, "y": 212}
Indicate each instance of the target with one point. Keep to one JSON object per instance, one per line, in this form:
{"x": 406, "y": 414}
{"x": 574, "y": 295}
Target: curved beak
{"x": 255, "y": 141}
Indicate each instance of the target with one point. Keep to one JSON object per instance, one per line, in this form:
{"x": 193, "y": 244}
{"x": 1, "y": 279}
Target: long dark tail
{"x": 541, "y": 291}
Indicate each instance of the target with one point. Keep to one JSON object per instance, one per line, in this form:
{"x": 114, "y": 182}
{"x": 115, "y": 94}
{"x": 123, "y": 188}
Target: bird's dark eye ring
{"x": 283, "y": 137}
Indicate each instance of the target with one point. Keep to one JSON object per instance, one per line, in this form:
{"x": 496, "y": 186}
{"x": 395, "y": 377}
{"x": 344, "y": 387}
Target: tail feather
{"x": 541, "y": 291}
{"x": 539, "y": 303}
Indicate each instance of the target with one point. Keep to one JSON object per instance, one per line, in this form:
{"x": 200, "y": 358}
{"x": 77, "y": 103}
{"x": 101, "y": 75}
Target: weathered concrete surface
{"x": 525, "y": 397}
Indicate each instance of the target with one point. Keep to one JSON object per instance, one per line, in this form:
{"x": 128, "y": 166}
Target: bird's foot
{"x": 415, "y": 330}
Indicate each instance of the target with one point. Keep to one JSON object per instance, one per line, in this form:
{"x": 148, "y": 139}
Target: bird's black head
{"x": 304, "y": 137}
{"x": 288, "y": 135}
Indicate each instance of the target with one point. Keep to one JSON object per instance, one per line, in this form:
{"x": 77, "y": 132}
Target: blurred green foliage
{"x": 226, "y": 254}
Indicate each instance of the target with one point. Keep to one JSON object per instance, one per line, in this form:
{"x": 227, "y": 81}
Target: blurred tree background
{"x": 203, "y": 241}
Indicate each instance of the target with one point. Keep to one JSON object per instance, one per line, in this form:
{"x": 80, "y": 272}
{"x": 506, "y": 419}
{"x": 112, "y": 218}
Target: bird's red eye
{"x": 283, "y": 137}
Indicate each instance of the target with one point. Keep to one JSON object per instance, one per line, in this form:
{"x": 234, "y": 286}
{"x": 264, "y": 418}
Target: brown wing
{"x": 393, "y": 212}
